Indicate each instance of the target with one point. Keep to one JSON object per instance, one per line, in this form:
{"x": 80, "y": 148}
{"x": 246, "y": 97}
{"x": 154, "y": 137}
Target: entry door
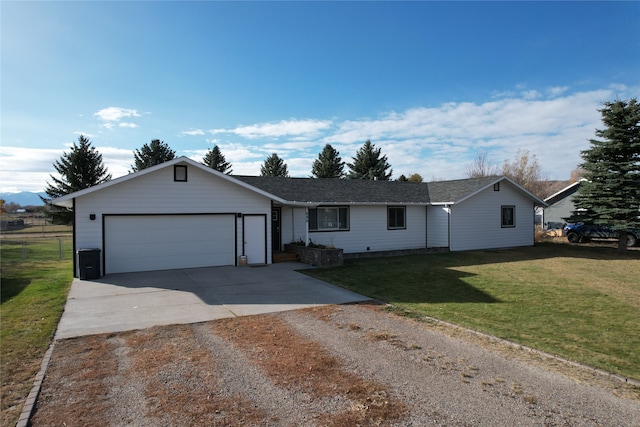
{"x": 276, "y": 241}
{"x": 255, "y": 238}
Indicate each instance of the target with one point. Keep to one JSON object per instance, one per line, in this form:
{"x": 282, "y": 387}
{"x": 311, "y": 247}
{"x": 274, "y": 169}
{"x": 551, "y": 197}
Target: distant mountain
{"x": 24, "y": 198}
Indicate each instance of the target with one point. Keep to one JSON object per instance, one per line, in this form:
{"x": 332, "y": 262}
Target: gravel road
{"x": 333, "y": 366}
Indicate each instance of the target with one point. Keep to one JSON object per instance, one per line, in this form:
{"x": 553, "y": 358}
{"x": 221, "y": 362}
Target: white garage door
{"x": 162, "y": 242}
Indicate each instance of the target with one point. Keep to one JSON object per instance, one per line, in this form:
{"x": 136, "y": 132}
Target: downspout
{"x": 449, "y": 211}
{"x": 73, "y": 238}
{"x": 306, "y": 226}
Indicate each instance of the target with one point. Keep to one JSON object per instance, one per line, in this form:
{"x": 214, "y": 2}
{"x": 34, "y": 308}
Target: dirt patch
{"x": 330, "y": 366}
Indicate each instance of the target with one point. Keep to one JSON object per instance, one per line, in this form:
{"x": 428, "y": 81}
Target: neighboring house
{"x": 559, "y": 206}
{"x": 182, "y": 214}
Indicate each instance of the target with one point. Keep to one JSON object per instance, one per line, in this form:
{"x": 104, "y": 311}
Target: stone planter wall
{"x": 319, "y": 257}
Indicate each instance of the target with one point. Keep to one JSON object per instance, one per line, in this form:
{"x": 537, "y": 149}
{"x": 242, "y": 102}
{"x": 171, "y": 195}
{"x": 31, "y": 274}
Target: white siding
{"x": 437, "y": 227}
{"x": 476, "y": 222}
{"x": 368, "y": 230}
{"x": 559, "y": 210}
{"x": 156, "y": 192}
{"x": 293, "y": 224}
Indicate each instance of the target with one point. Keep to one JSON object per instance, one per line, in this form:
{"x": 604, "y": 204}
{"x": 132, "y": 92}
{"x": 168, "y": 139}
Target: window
{"x": 329, "y": 219}
{"x": 508, "y": 216}
{"x": 180, "y": 173}
{"x": 396, "y": 218}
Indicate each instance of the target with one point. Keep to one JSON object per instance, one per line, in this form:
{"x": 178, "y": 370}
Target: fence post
{"x": 60, "y": 248}
{"x": 24, "y": 250}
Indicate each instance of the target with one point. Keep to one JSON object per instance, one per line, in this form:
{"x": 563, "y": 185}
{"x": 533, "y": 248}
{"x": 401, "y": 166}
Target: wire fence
{"x": 35, "y": 249}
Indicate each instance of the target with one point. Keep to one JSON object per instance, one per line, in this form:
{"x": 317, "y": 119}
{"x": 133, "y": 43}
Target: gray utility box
{"x": 89, "y": 264}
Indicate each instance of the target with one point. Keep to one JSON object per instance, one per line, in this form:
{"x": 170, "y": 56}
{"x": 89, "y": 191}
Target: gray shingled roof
{"x": 456, "y": 190}
{"x": 347, "y": 191}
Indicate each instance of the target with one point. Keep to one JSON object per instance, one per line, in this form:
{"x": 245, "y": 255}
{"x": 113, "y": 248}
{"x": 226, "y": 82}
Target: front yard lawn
{"x": 580, "y": 303}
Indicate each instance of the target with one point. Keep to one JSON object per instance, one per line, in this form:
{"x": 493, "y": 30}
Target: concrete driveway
{"x": 128, "y": 301}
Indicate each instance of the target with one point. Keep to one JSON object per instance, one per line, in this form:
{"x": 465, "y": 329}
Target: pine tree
{"x": 215, "y": 160}
{"x": 610, "y": 195}
{"x": 369, "y": 165}
{"x": 274, "y": 166}
{"x": 80, "y": 168}
{"x": 329, "y": 164}
{"x": 152, "y": 154}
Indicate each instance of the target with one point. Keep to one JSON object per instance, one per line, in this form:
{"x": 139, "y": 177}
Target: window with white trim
{"x": 508, "y": 214}
{"x": 396, "y": 216}
{"x": 330, "y": 218}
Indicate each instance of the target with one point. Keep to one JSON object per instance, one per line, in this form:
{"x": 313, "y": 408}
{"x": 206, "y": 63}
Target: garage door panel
{"x": 144, "y": 243}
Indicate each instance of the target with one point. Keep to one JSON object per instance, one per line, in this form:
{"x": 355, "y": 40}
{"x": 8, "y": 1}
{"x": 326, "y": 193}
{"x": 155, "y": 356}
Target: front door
{"x": 276, "y": 238}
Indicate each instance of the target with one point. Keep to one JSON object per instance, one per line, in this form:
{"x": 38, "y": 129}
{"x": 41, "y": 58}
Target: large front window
{"x": 329, "y": 218}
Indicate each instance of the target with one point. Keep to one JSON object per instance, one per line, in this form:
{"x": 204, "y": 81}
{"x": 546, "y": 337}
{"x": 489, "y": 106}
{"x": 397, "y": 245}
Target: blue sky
{"x": 430, "y": 83}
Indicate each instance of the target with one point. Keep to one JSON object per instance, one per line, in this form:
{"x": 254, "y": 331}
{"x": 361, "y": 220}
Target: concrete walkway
{"x": 128, "y": 301}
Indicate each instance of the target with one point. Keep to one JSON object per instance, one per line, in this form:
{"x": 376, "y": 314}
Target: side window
{"x": 508, "y": 216}
{"x": 396, "y": 218}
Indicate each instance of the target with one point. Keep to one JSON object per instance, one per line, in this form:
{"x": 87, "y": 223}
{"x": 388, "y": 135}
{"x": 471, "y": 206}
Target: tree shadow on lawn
{"x": 12, "y": 287}
{"x": 437, "y": 277}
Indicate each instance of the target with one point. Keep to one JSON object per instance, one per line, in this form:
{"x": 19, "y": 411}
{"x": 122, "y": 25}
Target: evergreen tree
{"x": 403, "y": 178}
{"x": 610, "y": 195}
{"x": 215, "y": 160}
{"x": 329, "y": 164}
{"x": 369, "y": 165}
{"x": 80, "y": 168}
{"x": 152, "y": 154}
{"x": 274, "y": 166}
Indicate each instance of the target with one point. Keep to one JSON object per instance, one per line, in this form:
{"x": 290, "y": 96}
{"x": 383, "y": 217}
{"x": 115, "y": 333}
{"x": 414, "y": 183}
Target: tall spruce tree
{"x": 368, "y": 164}
{"x": 215, "y": 160}
{"x": 80, "y": 168}
{"x": 152, "y": 154}
{"x": 329, "y": 164}
{"x": 611, "y": 193}
{"x": 274, "y": 166}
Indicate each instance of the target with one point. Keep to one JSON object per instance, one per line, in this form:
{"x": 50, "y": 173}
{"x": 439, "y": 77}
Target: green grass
{"x": 33, "y": 295}
{"x": 581, "y": 303}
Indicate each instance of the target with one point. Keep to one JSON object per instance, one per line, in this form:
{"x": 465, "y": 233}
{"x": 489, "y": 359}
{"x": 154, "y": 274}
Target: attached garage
{"x": 160, "y": 242}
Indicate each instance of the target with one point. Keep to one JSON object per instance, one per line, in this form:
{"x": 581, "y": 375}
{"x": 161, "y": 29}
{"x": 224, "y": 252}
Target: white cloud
{"x": 193, "y": 132}
{"x": 128, "y": 125}
{"x": 439, "y": 141}
{"x": 279, "y": 129}
{"x": 114, "y": 114}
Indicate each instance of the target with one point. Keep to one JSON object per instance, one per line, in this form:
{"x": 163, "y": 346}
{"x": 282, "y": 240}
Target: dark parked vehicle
{"x": 580, "y": 232}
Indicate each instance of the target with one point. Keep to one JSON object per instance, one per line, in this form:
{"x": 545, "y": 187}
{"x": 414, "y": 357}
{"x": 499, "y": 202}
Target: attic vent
{"x": 180, "y": 173}
{"x": 496, "y": 186}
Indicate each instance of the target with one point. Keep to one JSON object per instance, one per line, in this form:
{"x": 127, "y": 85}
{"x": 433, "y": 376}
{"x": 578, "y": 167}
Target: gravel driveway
{"x": 327, "y": 366}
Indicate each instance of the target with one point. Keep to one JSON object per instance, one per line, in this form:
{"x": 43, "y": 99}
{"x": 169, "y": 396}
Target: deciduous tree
{"x": 415, "y": 177}
{"x": 525, "y": 170}
{"x": 482, "y": 166}
{"x": 152, "y": 154}
{"x": 329, "y": 164}
{"x": 369, "y": 164}
{"x": 274, "y": 166}
{"x": 610, "y": 195}
{"x": 215, "y": 160}
{"x": 80, "y": 168}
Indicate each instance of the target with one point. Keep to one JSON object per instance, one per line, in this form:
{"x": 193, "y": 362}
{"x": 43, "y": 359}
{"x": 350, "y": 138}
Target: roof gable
{"x": 565, "y": 192}
{"x": 67, "y": 200}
